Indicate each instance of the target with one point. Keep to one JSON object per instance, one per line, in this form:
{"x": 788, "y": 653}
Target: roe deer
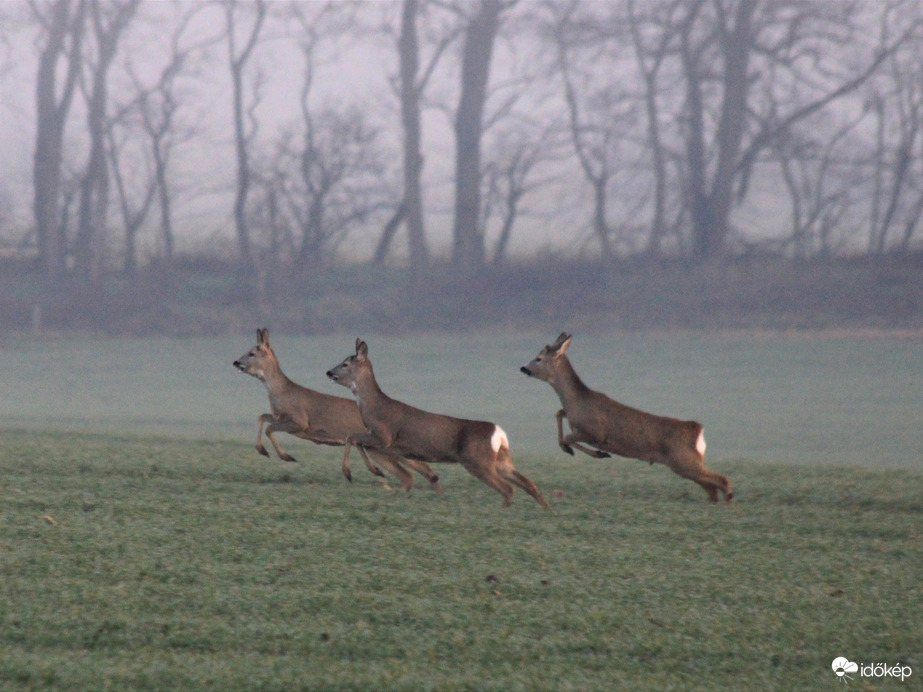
{"x": 480, "y": 447}
{"x": 613, "y": 427}
{"x": 314, "y": 416}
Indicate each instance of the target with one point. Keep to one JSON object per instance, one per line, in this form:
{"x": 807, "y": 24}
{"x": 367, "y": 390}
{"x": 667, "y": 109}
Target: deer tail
{"x": 700, "y": 442}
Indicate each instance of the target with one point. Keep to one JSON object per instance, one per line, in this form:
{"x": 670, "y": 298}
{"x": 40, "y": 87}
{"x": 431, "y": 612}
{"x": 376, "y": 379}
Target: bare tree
{"x": 779, "y": 35}
{"x": 335, "y": 184}
{"x": 510, "y": 177}
{"x": 153, "y": 109}
{"x": 108, "y": 22}
{"x": 412, "y": 205}
{"x": 651, "y": 56}
{"x": 411, "y": 85}
{"x": 245, "y": 125}
{"x": 895, "y": 102}
{"x": 480, "y": 33}
{"x": 818, "y": 179}
{"x": 142, "y": 135}
{"x": 62, "y": 25}
{"x": 710, "y": 198}
{"x": 598, "y": 112}
{"x": 133, "y": 212}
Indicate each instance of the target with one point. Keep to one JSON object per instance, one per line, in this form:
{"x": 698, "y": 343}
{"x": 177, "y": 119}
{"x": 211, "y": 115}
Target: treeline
{"x": 686, "y": 130}
{"x": 195, "y": 297}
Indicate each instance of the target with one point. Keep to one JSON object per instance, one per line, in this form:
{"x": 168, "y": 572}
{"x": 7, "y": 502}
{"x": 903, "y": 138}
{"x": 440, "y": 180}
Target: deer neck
{"x": 365, "y": 387}
{"x": 272, "y": 377}
{"x": 568, "y": 385}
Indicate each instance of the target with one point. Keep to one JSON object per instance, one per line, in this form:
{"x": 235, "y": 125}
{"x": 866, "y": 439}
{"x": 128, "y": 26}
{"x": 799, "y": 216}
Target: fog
{"x": 603, "y": 129}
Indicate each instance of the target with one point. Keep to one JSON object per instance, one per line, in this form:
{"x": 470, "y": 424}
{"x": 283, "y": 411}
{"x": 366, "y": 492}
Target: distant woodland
{"x": 687, "y": 163}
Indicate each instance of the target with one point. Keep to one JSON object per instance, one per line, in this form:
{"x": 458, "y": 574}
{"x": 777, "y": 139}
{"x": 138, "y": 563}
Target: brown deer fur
{"x": 314, "y": 416}
{"x": 609, "y": 426}
{"x": 480, "y": 447}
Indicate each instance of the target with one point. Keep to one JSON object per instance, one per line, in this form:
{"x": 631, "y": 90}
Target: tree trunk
{"x": 245, "y": 256}
{"x": 163, "y": 195}
{"x": 736, "y": 47}
{"x": 410, "y": 118}
{"x": 51, "y": 116}
{"x": 468, "y": 240}
{"x": 711, "y": 208}
{"x": 387, "y": 233}
{"x": 242, "y": 139}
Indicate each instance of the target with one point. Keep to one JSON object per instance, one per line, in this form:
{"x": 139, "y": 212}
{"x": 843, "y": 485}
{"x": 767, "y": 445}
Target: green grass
{"x": 138, "y": 563}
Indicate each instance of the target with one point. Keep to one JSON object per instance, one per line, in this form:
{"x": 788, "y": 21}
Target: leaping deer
{"x": 320, "y": 418}
{"x": 480, "y": 447}
{"x": 609, "y": 426}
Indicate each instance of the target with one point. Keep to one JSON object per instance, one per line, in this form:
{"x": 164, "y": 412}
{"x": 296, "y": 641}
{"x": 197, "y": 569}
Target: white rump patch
{"x": 700, "y": 443}
{"x": 498, "y": 439}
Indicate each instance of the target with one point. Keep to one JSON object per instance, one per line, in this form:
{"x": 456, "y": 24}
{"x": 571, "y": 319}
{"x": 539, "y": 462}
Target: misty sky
{"x": 354, "y": 62}
{"x": 349, "y": 70}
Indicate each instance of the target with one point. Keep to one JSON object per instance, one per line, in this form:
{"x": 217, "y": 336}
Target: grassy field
{"x": 154, "y": 563}
{"x": 832, "y": 399}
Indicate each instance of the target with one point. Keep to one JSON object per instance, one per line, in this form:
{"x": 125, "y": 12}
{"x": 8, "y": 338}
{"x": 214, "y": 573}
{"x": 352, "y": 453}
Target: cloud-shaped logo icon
{"x": 841, "y": 666}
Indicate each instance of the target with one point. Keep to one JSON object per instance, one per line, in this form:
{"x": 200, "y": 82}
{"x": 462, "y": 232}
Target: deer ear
{"x": 362, "y": 350}
{"x": 562, "y": 344}
{"x": 262, "y": 336}
{"x": 562, "y": 337}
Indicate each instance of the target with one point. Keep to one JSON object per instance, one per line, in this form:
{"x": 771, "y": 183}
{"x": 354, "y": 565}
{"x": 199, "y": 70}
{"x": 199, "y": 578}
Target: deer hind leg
{"x": 691, "y": 465}
{"x": 508, "y": 472}
{"x": 723, "y": 484}
{"x": 488, "y": 473}
{"x": 713, "y": 482}
{"x": 424, "y": 470}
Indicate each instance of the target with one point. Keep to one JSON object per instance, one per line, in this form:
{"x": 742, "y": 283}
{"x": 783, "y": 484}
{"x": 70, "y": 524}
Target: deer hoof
{"x": 287, "y": 457}
{"x": 567, "y": 449}
{"x": 262, "y": 450}
{"x": 602, "y": 455}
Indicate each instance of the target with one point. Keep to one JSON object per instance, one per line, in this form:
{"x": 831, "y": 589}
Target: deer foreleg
{"x": 393, "y": 465}
{"x": 265, "y": 419}
{"x": 346, "y": 471}
{"x": 559, "y": 417}
{"x": 571, "y": 441}
{"x": 279, "y": 424}
{"x": 270, "y": 433}
{"x": 374, "y": 469}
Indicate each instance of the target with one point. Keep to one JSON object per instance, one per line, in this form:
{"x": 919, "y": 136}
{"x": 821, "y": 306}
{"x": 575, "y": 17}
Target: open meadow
{"x": 145, "y": 545}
